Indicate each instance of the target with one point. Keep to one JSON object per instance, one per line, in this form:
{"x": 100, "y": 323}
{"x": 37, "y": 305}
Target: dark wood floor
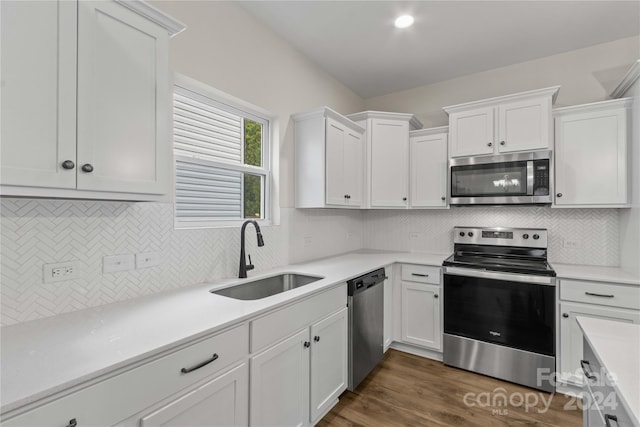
{"x": 407, "y": 390}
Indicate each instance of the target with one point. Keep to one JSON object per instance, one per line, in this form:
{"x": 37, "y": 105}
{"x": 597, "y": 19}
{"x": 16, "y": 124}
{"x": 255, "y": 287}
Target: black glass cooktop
{"x": 506, "y": 259}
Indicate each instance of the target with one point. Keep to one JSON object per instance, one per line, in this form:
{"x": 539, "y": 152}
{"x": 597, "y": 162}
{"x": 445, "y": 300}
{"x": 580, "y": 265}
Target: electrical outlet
{"x": 308, "y": 241}
{"x": 147, "y": 259}
{"x": 60, "y": 271}
{"x": 414, "y": 236}
{"x": 350, "y": 235}
{"x": 115, "y": 263}
{"x": 572, "y": 243}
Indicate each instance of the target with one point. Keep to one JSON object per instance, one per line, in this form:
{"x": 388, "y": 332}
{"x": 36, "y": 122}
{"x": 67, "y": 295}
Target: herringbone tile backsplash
{"x": 596, "y": 230}
{"x": 37, "y": 232}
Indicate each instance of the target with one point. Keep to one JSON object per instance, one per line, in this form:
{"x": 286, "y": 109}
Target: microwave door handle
{"x": 530, "y": 178}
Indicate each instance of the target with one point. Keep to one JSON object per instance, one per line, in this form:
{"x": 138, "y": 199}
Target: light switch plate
{"x": 60, "y": 271}
{"x": 115, "y": 263}
{"x": 147, "y": 259}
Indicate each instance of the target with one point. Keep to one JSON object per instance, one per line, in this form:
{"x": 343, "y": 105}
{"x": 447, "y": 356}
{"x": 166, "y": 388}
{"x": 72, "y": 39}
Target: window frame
{"x": 205, "y": 93}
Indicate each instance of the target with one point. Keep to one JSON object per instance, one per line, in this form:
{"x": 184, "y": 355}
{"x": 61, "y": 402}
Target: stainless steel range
{"x": 499, "y": 305}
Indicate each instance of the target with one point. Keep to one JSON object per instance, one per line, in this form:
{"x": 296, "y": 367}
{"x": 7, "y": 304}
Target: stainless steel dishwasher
{"x": 366, "y": 309}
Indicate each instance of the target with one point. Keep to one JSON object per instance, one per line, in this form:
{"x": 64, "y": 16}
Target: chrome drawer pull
{"x": 608, "y": 418}
{"x": 419, "y": 275}
{"x": 587, "y": 373}
{"x": 200, "y": 365}
{"x": 598, "y": 295}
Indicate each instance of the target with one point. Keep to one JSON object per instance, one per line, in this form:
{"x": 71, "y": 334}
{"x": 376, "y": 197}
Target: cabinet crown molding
{"x": 328, "y": 112}
{"x": 629, "y": 79}
{"x": 594, "y": 106}
{"x": 429, "y": 131}
{"x": 172, "y": 25}
{"x": 490, "y": 102}
{"x": 414, "y": 123}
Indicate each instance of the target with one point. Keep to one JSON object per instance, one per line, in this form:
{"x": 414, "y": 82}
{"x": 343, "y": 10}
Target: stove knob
{"x": 470, "y": 234}
{"x": 536, "y": 237}
{"x": 525, "y": 236}
{"x": 462, "y": 234}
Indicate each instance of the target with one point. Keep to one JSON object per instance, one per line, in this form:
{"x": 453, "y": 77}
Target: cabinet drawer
{"x": 420, "y": 273}
{"x": 277, "y": 325}
{"x": 602, "y": 395}
{"x": 600, "y": 293}
{"x": 118, "y": 397}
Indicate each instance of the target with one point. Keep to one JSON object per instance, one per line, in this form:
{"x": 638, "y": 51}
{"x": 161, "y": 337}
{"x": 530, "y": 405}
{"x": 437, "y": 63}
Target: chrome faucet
{"x": 243, "y": 263}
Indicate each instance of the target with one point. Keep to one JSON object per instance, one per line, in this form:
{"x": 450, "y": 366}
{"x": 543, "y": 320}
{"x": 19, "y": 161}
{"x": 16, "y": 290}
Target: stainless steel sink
{"x": 262, "y": 288}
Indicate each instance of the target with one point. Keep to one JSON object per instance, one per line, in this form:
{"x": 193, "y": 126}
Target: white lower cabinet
{"x": 421, "y": 323}
{"x": 571, "y": 348}
{"x": 221, "y": 402}
{"x": 298, "y": 380}
{"x": 388, "y": 310}
{"x": 279, "y": 392}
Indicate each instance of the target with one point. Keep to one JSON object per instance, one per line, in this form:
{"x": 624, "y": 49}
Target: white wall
{"x": 586, "y": 75}
{"x": 630, "y": 218}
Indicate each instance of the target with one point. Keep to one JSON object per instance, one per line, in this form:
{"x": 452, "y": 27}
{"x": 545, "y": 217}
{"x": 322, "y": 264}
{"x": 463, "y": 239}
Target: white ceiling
{"x": 356, "y": 42}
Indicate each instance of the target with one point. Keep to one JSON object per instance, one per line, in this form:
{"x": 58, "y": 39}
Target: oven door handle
{"x": 511, "y": 277}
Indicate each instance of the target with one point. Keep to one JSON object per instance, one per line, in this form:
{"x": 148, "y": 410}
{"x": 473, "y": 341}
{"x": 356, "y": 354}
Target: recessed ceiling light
{"x": 404, "y": 21}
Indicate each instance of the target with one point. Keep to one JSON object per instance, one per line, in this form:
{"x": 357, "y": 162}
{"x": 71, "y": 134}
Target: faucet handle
{"x": 250, "y": 266}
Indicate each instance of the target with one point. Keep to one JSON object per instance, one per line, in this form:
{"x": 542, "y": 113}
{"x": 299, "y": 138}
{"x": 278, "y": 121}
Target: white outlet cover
{"x": 147, "y": 259}
{"x": 115, "y": 263}
{"x": 72, "y": 268}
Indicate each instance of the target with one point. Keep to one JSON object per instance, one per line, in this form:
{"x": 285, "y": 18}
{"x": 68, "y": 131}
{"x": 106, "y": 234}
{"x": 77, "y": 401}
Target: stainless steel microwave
{"x": 520, "y": 178}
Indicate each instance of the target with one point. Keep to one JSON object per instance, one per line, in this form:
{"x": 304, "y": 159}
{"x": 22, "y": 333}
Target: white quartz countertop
{"x": 45, "y": 356}
{"x": 617, "y": 347}
{"x": 600, "y": 274}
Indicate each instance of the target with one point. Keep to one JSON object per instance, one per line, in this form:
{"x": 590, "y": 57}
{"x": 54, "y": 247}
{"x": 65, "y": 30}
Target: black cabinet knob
{"x": 461, "y": 234}
{"x": 88, "y": 168}
{"x": 489, "y": 144}
{"x": 502, "y": 143}
{"x": 316, "y": 338}
{"x": 565, "y": 315}
{"x": 68, "y": 164}
{"x": 307, "y": 344}
{"x": 525, "y": 236}
{"x": 348, "y": 196}
{"x": 443, "y": 198}
{"x": 72, "y": 423}
{"x": 536, "y": 237}
{"x": 559, "y": 195}
{"x": 435, "y": 295}
{"x": 470, "y": 234}
{"x": 404, "y": 199}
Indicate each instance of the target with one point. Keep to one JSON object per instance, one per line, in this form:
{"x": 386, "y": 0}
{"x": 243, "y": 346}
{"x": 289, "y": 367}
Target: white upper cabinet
{"x": 117, "y": 102}
{"x": 328, "y": 163}
{"x": 519, "y": 122}
{"x": 386, "y": 162}
{"x": 38, "y": 130}
{"x": 591, "y": 155}
{"x": 428, "y": 169}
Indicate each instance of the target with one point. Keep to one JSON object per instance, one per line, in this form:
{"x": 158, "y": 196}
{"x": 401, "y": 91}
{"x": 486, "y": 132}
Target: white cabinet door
{"x": 123, "y": 101}
{"x": 472, "y": 132}
{"x": 389, "y": 161}
{"x": 353, "y": 167}
{"x": 591, "y": 158}
{"x": 571, "y": 335}
{"x": 421, "y": 315}
{"x": 388, "y": 310}
{"x": 336, "y": 135}
{"x": 222, "y": 402}
{"x": 279, "y": 390}
{"x": 429, "y": 171}
{"x": 38, "y": 129}
{"x": 524, "y": 125}
{"x": 328, "y": 362}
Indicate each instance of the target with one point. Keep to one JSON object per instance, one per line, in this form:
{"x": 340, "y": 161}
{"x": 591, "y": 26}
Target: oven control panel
{"x": 498, "y": 236}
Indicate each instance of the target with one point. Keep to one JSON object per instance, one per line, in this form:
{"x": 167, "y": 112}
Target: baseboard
{"x": 418, "y": 351}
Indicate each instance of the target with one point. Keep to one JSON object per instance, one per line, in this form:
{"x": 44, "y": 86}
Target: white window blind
{"x": 222, "y": 175}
